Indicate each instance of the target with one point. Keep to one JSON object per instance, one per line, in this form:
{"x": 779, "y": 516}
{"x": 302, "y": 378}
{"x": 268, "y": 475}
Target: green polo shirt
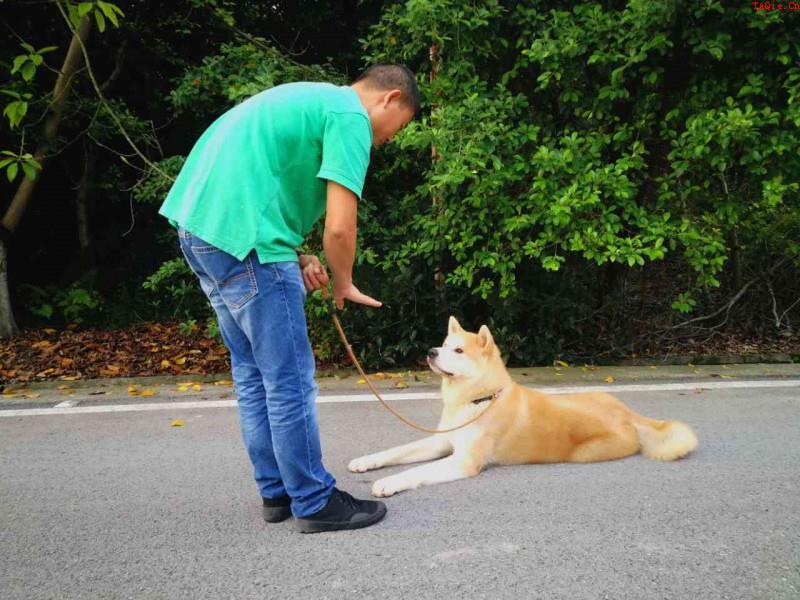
{"x": 256, "y": 179}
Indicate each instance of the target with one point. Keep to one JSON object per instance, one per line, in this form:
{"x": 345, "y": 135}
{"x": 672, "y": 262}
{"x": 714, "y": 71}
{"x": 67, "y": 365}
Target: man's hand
{"x": 315, "y": 276}
{"x": 350, "y": 292}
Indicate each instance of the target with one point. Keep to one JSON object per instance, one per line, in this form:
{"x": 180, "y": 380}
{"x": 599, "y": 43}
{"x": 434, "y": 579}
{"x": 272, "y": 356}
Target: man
{"x": 250, "y": 191}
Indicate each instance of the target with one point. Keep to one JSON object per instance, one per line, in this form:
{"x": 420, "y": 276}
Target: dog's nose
{"x": 433, "y": 353}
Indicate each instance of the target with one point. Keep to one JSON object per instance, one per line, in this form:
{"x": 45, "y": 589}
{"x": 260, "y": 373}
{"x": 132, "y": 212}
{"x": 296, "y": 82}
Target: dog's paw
{"x": 388, "y": 486}
{"x": 362, "y": 464}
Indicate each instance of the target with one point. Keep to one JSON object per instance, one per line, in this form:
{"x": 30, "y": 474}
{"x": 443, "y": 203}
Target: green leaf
{"x": 28, "y": 71}
{"x": 84, "y": 8}
{"x": 18, "y": 62}
{"x": 108, "y": 11}
{"x": 45, "y": 310}
{"x": 101, "y": 21}
{"x": 47, "y": 49}
{"x": 30, "y": 171}
{"x": 15, "y": 112}
{"x": 72, "y": 12}
{"x": 12, "y": 171}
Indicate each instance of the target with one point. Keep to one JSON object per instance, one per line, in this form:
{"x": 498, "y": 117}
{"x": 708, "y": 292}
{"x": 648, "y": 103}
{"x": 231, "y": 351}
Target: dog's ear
{"x": 485, "y": 338}
{"x": 453, "y": 326}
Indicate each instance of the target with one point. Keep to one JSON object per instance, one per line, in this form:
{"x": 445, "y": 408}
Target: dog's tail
{"x": 664, "y": 440}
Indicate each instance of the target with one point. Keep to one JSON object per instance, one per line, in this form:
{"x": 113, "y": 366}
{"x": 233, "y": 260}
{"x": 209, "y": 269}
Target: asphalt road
{"x": 122, "y": 505}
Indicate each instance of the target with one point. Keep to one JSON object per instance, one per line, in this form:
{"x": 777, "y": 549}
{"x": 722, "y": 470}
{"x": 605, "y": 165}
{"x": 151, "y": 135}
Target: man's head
{"x": 391, "y": 97}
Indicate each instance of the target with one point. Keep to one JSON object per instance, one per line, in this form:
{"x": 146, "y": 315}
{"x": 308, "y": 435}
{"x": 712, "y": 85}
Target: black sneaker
{"x": 277, "y": 510}
{"x": 343, "y": 512}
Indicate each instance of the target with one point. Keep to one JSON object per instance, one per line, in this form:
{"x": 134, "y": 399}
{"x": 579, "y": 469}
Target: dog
{"x": 521, "y": 425}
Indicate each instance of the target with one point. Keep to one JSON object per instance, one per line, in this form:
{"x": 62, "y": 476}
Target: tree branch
{"x": 105, "y": 103}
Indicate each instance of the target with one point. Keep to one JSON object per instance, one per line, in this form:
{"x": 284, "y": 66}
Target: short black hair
{"x": 394, "y": 77}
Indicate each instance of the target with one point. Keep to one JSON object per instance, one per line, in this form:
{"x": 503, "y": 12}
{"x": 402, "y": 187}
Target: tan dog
{"x": 522, "y": 426}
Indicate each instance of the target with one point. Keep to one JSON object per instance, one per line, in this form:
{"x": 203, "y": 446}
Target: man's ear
{"x": 391, "y": 95}
{"x": 485, "y": 338}
{"x": 453, "y": 326}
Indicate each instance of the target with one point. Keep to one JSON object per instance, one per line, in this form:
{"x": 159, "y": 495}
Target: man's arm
{"x": 339, "y": 244}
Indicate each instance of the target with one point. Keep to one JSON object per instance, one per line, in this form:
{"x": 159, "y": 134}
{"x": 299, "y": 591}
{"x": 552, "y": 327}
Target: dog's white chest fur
{"x": 464, "y": 438}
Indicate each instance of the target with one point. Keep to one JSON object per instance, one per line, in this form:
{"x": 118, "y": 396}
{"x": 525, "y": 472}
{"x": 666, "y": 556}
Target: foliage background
{"x": 613, "y": 178}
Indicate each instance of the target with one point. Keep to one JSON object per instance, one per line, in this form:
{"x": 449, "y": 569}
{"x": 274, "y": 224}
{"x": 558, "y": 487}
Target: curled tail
{"x": 664, "y": 440}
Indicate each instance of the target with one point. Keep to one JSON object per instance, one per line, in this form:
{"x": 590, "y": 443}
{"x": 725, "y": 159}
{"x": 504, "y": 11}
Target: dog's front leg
{"x": 441, "y": 471}
{"x": 428, "y": 448}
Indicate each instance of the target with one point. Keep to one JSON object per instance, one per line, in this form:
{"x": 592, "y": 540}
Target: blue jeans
{"x": 260, "y": 310}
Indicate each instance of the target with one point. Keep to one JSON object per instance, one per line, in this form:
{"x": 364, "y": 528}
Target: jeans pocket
{"x": 234, "y": 279}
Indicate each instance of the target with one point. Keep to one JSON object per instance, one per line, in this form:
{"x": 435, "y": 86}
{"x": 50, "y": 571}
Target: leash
{"x": 337, "y": 323}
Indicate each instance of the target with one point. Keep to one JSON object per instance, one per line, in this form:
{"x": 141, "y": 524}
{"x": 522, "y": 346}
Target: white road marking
{"x": 65, "y": 409}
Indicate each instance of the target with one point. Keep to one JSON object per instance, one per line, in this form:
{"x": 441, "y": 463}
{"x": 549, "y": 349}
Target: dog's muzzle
{"x": 433, "y": 354}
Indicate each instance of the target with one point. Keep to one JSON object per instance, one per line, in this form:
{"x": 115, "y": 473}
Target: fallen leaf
{"x": 223, "y": 382}
{"x": 49, "y": 330}
{"x": 361, "y": 381}
{"x": 180, "y": 361}
{"x": 401, "y": 384}
{"x": 609, "y": 379}
{"x": 165, "y": 364}
{"x": 560, "y": 363}
{"x": 177, "y": 423}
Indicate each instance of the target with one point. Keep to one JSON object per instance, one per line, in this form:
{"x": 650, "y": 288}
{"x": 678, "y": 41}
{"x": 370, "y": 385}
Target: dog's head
{"x": 464, "y": 355}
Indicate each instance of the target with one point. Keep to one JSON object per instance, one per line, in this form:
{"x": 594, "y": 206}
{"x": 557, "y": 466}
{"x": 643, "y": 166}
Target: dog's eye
{"x": 459, "y": 351}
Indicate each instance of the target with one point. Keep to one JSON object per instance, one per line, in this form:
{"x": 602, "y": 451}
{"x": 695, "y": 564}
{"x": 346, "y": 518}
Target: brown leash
{"x": 335, "y": 315}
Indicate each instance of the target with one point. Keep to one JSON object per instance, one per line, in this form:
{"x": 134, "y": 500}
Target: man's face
{"x": 389, "y": 117}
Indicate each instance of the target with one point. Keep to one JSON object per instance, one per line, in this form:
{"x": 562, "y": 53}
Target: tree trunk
{"x": 82, "y": 212}
{"x": 8, "y": 326}
{"x": 19, "y": 203}
{"x": 736, "y": 252}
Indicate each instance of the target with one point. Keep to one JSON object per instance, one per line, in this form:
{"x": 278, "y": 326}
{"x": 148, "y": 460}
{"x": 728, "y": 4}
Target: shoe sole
{"x": 306, "y": 526}
{"x": 276, "y": 514}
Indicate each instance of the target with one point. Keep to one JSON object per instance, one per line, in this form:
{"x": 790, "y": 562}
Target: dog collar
{"x": 487, "y": 398}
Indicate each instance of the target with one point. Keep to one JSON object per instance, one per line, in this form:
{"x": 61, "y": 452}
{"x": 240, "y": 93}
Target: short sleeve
{"x": 345, "y": 150}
